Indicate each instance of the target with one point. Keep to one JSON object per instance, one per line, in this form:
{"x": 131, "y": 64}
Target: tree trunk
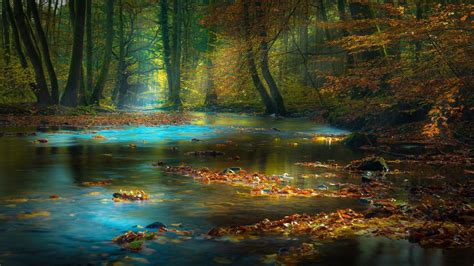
{"x": 15, "y": 35}
{"x": 175, "y": 100}
{"x": 341, "y": 9}
{"x": 324, "y": 17}
{"x": 89, "y": 44}
{"x": 73, "y": 84}
{"x": 53, "y": 24}
{"x": 211, "y": 95}
{"x": 264, "y": 63}
{"x": 99, "y": 87}
{"x": 56, "y": 33}
{"x": 166, "y": 45}
{"x": 41, "y": 88}
{"x": 121, "y": 87}
{"x": 270, "y": 107}
{"x": 82, "y": 96}
{"x": 45, "y": 52}
{"x": 48, "y": 17}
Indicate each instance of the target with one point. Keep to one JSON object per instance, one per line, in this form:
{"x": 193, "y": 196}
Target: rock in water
{"x": 322, "y": 187}
{"x": 231, "y": 170}
{"x": 370, "y": 164}
{"x": 357, "y": 140}
{"x": 157, "y": 225}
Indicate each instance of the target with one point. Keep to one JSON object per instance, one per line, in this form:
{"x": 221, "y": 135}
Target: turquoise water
{"x": 78, "y": 227}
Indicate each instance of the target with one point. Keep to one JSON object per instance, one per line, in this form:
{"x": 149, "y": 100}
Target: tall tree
{"x": 121, "y": 87}
{"x": 15, "y": 35}
{"x": 99, "y": 87}
{"x": 250, "y": 58}
{"x": 41, "y": 87}
{"x": 89, "y": 46}
{"x": 165, "y": 36}
{"x": 70, "y": 96}
{"x": 174, "y": 98}
{"x": 45, "y": 51}
{"x": 264, "y": 62}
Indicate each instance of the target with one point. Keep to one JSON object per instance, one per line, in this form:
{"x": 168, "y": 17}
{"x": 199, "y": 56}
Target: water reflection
{"x": 82, "y": 223}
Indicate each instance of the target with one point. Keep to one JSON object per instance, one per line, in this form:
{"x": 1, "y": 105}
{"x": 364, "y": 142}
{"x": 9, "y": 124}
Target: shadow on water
{"x": 83, "y": 221}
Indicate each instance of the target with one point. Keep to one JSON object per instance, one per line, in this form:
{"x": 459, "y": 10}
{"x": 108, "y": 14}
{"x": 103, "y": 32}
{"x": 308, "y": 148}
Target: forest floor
{"x": 85, "y": 117}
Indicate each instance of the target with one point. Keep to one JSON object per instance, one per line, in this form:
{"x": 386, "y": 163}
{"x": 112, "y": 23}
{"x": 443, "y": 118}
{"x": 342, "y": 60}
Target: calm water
{"x": 83, "y": 221}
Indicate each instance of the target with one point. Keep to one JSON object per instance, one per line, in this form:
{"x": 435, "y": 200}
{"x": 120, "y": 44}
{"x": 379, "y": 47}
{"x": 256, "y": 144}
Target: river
{"x": 77, "y": 228}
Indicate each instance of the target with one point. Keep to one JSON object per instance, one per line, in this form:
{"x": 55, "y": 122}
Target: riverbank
{"x": 399, "y": 124}
{"x": 84, "y": 117}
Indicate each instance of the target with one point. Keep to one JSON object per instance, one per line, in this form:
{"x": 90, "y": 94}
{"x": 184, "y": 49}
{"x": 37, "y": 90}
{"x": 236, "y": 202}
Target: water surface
{"x": 83, "y": 221}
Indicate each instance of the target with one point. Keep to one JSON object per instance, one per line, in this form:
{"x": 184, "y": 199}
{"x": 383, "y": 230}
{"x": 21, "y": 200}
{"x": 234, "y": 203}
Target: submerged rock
{"x": 357, "y": 140}
{"x": 156, "y": 225}
{"x": 231, "y": 170}
{"x": 369, "y": 164}
{"x": 322, "y": 187}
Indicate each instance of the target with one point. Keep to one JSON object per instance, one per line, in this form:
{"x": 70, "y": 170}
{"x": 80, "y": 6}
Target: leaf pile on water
{"x": 132, "y": 195}
{"x": 416, "y": 224}
{"x": 328, "y": 165}
{"x": 232, "y": 176}
{"x": 370, "y": 163}
{"x": 263, "y": 185}
{"x": 96, "y": 183}
{"x": 458, "y": 157}
{"x": 134, "y": 240}
{"x": 344, "y": 190}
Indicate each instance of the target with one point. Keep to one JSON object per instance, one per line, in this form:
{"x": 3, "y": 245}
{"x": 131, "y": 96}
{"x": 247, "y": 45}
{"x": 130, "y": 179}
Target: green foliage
{"x": 15, "y": 83}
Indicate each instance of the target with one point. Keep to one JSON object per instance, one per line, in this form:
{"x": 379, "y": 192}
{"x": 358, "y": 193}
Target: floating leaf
{"x": 33, "y": 214}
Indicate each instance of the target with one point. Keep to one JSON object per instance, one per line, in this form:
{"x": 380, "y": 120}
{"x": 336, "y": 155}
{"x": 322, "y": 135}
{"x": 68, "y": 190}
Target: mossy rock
{"x": 357, "y": 140}
{"x": 135, "y": 245}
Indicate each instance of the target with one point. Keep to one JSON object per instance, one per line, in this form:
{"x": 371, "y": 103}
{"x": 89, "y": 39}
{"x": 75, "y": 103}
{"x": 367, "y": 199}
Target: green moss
{"x": 135, "y": 245}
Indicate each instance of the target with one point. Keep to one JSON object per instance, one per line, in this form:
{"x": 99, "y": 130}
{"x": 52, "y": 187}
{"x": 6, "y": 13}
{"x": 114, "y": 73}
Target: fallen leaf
{"x": 33, "y": 214}
{"x": 17, "y": 200}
